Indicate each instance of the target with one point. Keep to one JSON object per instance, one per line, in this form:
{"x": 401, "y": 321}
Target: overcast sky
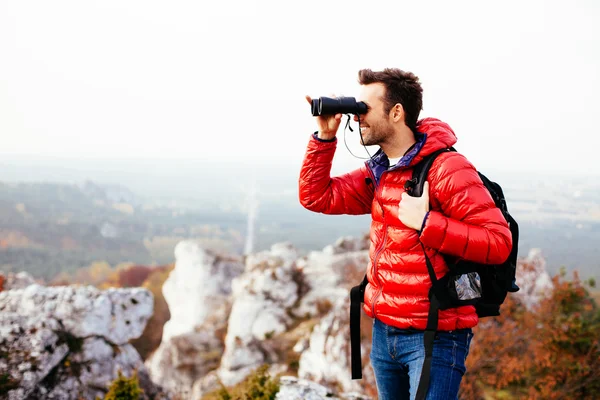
{"x": 225, "y": 80}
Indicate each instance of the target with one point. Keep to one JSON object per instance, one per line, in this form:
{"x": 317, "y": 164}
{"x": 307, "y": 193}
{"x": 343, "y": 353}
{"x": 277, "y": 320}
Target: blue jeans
{"x": 397, "y": 357}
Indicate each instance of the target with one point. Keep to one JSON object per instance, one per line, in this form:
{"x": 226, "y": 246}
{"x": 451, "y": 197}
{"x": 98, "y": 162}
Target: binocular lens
{"x": 314, "y": 107}
{"x": 340, "y": 105}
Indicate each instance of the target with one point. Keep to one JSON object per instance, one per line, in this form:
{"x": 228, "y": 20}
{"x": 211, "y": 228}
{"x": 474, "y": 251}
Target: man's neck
{"x": 399, "y": 144}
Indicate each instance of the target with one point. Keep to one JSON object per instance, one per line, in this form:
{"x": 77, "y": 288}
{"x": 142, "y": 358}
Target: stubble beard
{"x": 375, "y": 136}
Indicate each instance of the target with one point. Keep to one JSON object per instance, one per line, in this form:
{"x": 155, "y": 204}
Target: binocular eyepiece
{"x": 340, "y": 105}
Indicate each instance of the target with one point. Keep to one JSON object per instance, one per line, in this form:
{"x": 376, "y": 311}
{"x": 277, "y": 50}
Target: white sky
{"x": 517, "y": 80}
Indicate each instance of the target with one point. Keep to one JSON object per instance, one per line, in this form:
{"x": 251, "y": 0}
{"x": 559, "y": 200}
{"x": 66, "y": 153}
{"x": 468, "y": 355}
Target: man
{"x": 455, "y": 216}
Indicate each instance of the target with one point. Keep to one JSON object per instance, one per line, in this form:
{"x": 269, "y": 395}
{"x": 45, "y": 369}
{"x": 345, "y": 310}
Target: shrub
{"x": 124, "y": 388}
{"x": 261, "y": 386}
{"x": 7, "y": 384}
{"x": 551, "y": 351}
{"x": 257, "y": 386}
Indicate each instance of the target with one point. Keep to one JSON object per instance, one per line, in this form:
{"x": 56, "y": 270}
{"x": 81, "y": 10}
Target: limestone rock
{"x": 292, "y": 388}
{"x": 69, "y": 342}
{"x": 198, "y": 293}
{"x": 262, "y": 297}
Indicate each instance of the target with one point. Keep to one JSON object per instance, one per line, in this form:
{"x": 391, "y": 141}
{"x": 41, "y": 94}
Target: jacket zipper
{"x": 378, "y": 252}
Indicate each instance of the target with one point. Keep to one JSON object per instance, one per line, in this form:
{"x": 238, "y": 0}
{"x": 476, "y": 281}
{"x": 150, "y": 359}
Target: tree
{"x": 152, "y": 335}
{"x": 551, "y": 351}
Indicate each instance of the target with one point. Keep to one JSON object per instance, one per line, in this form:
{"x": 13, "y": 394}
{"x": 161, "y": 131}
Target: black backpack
{"x": 482, "y": 285}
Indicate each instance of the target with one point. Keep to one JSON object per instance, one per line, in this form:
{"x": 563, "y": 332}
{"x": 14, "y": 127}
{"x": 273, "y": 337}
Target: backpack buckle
{"x": 410, "y": 185}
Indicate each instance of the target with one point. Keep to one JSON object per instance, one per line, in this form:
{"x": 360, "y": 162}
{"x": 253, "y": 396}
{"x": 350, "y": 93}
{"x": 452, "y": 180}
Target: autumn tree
{"x": 551, "y": 351}
{"x": 94, "y": 274}
{"x": 152, "y": 335}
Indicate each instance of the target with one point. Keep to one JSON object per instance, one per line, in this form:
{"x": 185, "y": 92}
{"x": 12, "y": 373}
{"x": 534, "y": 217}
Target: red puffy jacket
{"x": 463, "y": 221}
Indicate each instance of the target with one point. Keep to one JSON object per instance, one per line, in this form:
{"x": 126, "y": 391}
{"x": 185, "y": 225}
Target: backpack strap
{"x": 414, "y": 186}
{"x": 357, "y": 296}
{"x": 430, "y": 331}
{"x": 514, "y": 230}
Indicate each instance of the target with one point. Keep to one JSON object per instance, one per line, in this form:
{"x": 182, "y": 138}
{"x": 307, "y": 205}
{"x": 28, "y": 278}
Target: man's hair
{"x": 400, "y": 87}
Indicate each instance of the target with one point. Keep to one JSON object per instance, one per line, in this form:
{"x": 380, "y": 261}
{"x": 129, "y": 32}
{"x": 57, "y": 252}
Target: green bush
{"x": 7, "y": 384}
{"x": 258, "y": 386}
{"x": 261, "y": 386}
{"x": 124, "y": 388}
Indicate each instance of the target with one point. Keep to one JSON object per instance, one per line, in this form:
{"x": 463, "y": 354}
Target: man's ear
{"x": 397, "y": 113}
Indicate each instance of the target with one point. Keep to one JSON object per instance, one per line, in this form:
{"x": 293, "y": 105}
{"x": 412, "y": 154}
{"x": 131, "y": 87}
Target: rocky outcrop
{"x": 533, "y": 279}
{"x": 329, "y": 274}
{"x": 325, "y": 352}
{"x": 325, "y": 356}
{"x": 301, "y": 389}
{"x": 229, "y": 315}
{"x": 19, "y": 280}
{"x": 262, "y": 299}
{"x": 198, "y": 293}
{"x": 278, "y": 302}
{"x": 70, "y": 342}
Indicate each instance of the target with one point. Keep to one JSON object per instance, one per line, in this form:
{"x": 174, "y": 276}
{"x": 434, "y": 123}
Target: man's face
{"x": 375, "y": 126}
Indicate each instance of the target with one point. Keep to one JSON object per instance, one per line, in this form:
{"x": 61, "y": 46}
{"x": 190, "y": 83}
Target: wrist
{"x": 324, "y": 135}
{"x": 320, "y": 139}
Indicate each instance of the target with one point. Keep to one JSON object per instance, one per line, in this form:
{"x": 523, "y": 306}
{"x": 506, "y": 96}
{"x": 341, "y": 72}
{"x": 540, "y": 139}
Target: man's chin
{"x": 365, "y": 142}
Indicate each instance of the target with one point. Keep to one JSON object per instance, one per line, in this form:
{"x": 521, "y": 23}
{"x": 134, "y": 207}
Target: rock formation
{"x": 532, "y": 278}
{"x": 198, "y": 293}
{"x": 229, "y": 315}
{"x": 70, "y": 342}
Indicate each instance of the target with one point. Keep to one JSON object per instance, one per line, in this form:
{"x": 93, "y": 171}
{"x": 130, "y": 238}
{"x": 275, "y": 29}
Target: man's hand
{"x": 328, "y": 124}
{"x": 412, "y": 210}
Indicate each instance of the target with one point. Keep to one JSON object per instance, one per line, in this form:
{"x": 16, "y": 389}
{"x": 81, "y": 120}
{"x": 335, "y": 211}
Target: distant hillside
{"x": 47, "y": 228}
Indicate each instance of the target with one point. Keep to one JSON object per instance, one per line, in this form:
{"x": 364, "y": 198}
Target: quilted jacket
{"x": 463, "y": 222}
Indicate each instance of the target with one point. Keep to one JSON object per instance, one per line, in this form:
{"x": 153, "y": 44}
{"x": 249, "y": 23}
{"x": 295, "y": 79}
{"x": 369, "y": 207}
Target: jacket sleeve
{"x": 346, "y": 194}
{"x": 469, "y": 226}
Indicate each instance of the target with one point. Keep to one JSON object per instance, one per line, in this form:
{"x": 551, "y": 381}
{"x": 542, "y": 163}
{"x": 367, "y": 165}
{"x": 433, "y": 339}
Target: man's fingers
{"x": 426, "y": 195}
{"x": 308, "y": 99}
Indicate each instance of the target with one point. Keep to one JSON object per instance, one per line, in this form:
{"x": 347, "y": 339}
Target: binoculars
{"x": 340, "y": 105}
